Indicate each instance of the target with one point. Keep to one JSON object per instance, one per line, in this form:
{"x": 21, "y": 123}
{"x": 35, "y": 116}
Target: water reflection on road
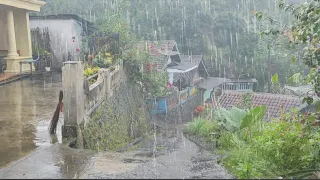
{"x": 26, "y": 108}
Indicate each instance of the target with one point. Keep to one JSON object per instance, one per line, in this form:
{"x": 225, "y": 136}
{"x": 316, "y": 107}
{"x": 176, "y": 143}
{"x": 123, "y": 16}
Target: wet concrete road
{"x": 53, "y": 162}
{"x": 27, "y": 150}
{"x": 26, "y": 108}
{"x": 167, "y": 155}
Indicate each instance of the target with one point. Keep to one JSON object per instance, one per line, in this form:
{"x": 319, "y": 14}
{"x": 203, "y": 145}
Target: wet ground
{"x": 166, "y": 154}
{"x": 28, "y": 151}
{"x": 26, "y": 108}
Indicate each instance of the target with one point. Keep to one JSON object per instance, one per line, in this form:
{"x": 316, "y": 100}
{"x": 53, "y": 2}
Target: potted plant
{"x": 47, "y": 58}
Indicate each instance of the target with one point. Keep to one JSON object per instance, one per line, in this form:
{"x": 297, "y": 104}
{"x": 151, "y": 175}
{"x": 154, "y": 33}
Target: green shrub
{"x": 229, "y": 119}
{"x": 203, "y": 128}
{"x": 258, "y": 149}
{"x": 277, "y": 149}
{"x": 288, "y": 145}
{"x": 195, "y": 126}
{"x": 208, "y": 127}
{"x": 245, "y": 163}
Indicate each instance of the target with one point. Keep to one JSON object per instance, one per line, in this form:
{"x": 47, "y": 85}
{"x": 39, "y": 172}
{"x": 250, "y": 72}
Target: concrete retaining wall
{"x": 181, "y": 113}
{"x": 118, "y": 120}
{"x": 80, "y": 104}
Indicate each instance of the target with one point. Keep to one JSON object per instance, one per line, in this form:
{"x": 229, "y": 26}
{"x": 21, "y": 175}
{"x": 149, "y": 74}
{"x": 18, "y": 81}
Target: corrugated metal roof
{"x": 61, "y": 16}
{"x": 300, "y": 90}
{"x": 253, "y": 80}
{"x": 191, "y": 59}
{"x": 188, "y": 76}
{"x": 211, "y": 82}
{"x": 184, "y": 66}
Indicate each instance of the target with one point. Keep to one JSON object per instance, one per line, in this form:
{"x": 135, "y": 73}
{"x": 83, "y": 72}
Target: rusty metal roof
{"x": 273, "y": 101}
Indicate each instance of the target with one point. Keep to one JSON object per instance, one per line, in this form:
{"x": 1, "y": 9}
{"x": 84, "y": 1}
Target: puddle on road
{"x": 114, "y": 164}
{"x": 26, "y": 110}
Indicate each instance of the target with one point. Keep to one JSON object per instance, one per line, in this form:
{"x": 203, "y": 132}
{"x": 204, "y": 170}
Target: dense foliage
{"x": 258, "y": 149}
{"x": 226, "y": 32}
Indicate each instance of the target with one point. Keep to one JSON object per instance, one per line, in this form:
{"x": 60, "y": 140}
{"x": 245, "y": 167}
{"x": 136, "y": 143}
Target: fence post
{"x": 72, "y": 82}
{"x": 108, "y": 87}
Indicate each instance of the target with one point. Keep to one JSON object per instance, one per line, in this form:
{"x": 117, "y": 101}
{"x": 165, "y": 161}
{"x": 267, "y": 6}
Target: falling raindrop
{"x": 211, "y": 62}
{"x": 237, "y": 39}
{"x": 231, "y": 39}
{"x": 220, "y": 56}
{"x": 245, "y": 60}
{"x": 147, "y": 13}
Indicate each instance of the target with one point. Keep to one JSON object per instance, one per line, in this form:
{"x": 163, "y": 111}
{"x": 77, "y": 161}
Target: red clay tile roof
{"x": 273, "y": 101}
{"x": 159, "y": 50}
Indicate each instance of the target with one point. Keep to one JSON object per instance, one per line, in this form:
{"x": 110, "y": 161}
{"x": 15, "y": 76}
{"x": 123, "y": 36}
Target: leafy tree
{"x": 224, "y": 31}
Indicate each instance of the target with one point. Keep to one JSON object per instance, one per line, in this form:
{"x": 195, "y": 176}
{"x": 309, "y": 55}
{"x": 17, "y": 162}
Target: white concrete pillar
{"x": 73, "y": 98}
{"x": 29, "y": 47}
{"x": 22, "y": 32}
{"x": 73, "y": 92}
{"x": 12, "y": 47}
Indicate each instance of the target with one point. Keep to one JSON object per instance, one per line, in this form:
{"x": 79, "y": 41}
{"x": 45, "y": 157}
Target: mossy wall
{"x": 118, "y": 121}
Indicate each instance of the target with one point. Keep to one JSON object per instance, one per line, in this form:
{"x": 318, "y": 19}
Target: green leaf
{"x": 296, "y": 78}
{"x": 309, "y": 100}
{"x": 253, "y": 116}
{"x": 298, "y": 125}
{"x": 317, "y": 105}
{"x": 275, "y": 79}
{"x": 229, "y": 118}
{"x": 259, "y": 15}
{"x": 293, "y": 59}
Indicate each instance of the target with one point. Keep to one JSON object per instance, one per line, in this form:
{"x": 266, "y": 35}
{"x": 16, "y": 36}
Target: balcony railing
{"x": 175, "y": 98}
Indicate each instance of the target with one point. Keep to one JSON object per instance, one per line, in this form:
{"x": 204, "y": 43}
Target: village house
{"x": 66, "y": 32}
{"x": 189, "y": 72}
{"x": 183, "y": 70}
{"x": 15, "y": 39}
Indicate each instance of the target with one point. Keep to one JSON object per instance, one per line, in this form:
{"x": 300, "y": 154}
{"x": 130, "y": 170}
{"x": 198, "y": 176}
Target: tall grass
{"x": 203, "y": 128}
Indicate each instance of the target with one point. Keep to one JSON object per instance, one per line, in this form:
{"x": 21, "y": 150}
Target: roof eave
{"x": 64, "y": 17}
{"x": 30, "y": 5}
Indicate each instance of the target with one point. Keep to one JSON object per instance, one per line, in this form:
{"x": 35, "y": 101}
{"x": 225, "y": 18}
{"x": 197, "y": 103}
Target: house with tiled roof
{"x": 188, "y": 72}
{"x": 183, "y": 70}
{"x": 274, "y": 102}
{"x": 214, "y": 85}
{"x": 163, "y": 52}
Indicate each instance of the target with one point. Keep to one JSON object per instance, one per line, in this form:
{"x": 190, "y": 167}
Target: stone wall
{"x": 181, "y": 113}
{"x": 119, "y": 120}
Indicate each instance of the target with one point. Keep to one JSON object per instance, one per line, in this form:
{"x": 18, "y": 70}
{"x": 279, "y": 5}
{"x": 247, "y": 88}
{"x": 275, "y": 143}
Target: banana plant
{"x": 253, "y": 116}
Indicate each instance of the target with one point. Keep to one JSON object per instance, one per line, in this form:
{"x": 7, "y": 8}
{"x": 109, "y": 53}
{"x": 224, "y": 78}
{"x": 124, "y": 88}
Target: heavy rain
{"x": 177, "y": 89}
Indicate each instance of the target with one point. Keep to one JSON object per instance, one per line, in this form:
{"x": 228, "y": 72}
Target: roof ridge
{"x": 260, "y": 93}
